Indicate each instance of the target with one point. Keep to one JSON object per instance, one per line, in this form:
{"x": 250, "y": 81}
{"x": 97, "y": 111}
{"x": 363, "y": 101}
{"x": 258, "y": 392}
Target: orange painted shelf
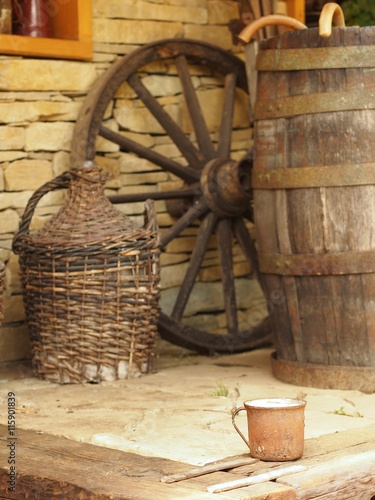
{"x": 296, "y": 9}
{"x": 72, "y": 28}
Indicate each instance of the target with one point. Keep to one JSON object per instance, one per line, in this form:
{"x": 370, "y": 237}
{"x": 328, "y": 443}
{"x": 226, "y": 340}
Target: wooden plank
{"x": 290, "y": 282}
{"x": 255, "y": 479}
{"x": 323, "y": 446}
{"x": 45, "y": 47}
{"x": 267, "y": 490}
{"x": 48, "y": 466}
{"x": 339, "y": 465}
{"x": 251, "y": 50}
{"x": 346, "y": 476}
{"x": 207, "y": 469}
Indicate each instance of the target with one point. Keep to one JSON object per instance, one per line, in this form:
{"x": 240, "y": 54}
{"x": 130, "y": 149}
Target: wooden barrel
{"x": 314, "y": 204}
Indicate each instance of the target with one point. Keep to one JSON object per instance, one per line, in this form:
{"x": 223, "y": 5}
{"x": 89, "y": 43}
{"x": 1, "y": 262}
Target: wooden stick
{"x": 207, "y": 469}
{"x": 331, "y": 14}
{"x": 251, "y": 50}
{"x": 259, "y": 478}
{"x": 249, "y": 31}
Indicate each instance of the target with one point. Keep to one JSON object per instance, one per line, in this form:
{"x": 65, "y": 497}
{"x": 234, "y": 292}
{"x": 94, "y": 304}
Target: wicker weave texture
{"x": 91, "y": 286}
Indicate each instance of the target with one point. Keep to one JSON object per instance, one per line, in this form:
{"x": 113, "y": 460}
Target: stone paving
{"x": 182, "y": 411}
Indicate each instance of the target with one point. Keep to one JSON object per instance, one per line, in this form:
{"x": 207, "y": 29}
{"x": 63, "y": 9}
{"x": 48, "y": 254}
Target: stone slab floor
{"x": 182, "y": 411}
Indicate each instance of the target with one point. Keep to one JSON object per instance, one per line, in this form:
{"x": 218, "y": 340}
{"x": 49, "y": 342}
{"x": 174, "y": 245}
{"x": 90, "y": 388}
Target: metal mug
{"x": 276, "y": 428}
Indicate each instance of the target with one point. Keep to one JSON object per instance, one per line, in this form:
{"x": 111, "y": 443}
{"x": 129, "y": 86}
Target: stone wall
{"x": 39, "y": 102}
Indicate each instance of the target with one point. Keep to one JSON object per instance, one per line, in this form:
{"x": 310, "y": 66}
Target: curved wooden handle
{"x": 331, "y": 14}
{"x": 274, "y": 19}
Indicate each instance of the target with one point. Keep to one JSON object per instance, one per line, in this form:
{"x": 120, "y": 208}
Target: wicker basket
{"x": 91, "y": 284}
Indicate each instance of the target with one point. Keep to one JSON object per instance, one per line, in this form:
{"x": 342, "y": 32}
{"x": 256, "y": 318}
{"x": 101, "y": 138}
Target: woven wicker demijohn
{"x": 90, "y": 283}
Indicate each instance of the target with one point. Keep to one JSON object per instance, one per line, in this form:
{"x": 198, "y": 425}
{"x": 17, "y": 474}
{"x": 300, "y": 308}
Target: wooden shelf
{"x": 296, "y": 9}
{"x": 72, "y": 30}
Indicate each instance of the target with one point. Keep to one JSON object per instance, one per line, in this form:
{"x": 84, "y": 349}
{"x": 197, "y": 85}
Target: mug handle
{"x": 234, "y": 414}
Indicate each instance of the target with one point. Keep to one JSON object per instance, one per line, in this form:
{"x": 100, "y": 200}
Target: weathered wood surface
{"x": 325, "y": 318}
{"x": 51, "y": 467}
{"x": 340, "y": 465}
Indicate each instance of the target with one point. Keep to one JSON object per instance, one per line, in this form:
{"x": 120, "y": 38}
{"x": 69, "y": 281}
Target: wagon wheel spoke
{"x": 247, "y": 244}
{"x": 194, "y": 266}
{"x": 224, "y": 236}
{"x": 194, "y": 213}
{"x": 127, "y": 145}
{"x": 225, "y": 133}
{"x": 201, "y": 131}
{"x": 189, "y": 192}
{"x": 186, "y": 147}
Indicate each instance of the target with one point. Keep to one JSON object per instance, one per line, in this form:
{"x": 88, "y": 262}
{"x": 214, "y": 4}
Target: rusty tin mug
{"x": 276, "y": 428}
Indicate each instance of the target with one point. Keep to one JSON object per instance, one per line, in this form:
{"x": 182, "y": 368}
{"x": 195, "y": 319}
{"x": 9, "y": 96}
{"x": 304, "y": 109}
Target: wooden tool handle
{"x": 208, "y": 469}
{"x": 274, "y": 19}
{"x": 331, "y": 14}
{"x": 258, "y": 478}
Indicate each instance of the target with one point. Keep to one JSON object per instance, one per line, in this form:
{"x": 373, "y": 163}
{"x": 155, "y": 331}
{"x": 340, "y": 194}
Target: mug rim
{"x": 275, "y": 403}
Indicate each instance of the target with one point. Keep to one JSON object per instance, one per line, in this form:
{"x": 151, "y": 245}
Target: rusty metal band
{"x": 327, "y": 102}
{"x": 358, "y": 56}
{"x": 361, "y": 174}
{"x": 326, "y": 264}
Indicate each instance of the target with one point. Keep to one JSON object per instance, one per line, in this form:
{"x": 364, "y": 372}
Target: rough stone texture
{"x": 9, "y": 221}
{"x": 60, "y": 162}
{"x": 12, "y": 277}
{"x": 217, "y": 35}
{"x": 27, "y": 174}
{"x": 6, "y": 156}
{"x": 19, "y": 199}
{"x": 26, "y": 75}
{"x": 138, "y": 119}
{"x": 123, "y": 31}
{"x": 220, "y": 12}
{"x": 13, "y": 309}
{"x": 182, "y": 411}
{"x": 136, "y": 9}
{"x": 12, "y": 138}
{"x": 41, "y": 136}
{"x": 161, "y": 85}
{"x": 17, "y": 112}
{"x": 14, "y": 343}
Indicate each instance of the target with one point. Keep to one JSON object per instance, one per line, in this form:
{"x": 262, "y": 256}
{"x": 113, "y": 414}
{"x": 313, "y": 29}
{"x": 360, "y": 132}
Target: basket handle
{"x": 273, "y": 19}
{"x": 61, "y": 181}
{"x": 150, "y": 216}
{"x": 331, "y": 14}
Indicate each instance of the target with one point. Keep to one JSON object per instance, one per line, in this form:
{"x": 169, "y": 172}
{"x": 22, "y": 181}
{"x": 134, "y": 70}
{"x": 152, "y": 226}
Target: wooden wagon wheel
{"x": 216, "y": 191}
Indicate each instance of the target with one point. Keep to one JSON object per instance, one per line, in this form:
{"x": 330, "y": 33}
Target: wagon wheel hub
{"x": 226, "y": 185}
